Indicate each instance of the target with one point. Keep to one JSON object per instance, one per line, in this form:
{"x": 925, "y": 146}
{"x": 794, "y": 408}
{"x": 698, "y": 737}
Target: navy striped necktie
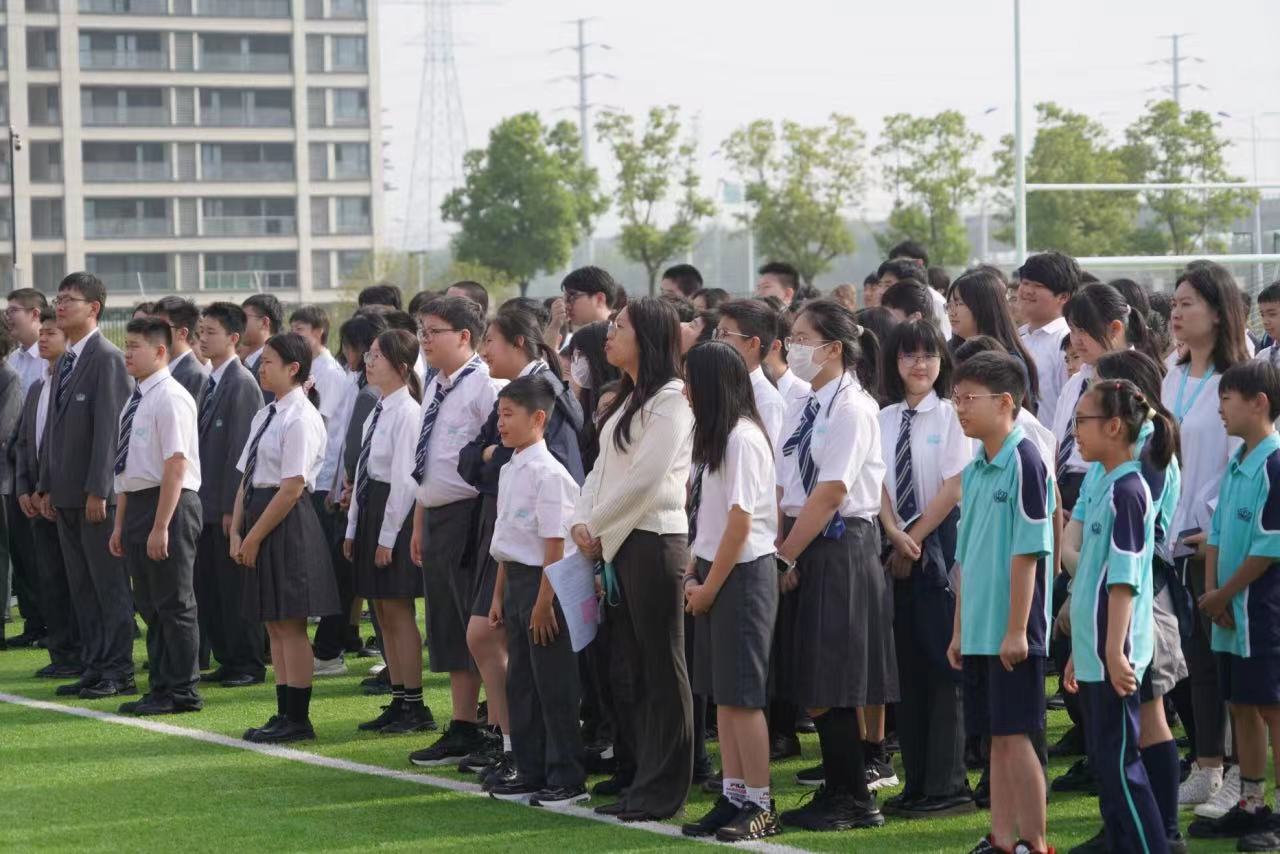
{"x": 800, "y": 442}
{"x": 695, "y": 500}
{"x": 251, "y": 462}
{"x": 206, "y": 406}
{"x": 906, "y": 504}
{"x": 433, "y": 412}
{"x": 362, "y": 464}
{"x": 1068, "y": 443}
{"x": 67, "y": 365}
{"x": 126, "y": 427}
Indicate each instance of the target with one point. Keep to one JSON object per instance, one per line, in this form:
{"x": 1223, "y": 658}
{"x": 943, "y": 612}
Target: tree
{"x": 925, "y": 160}
{"x": 800, "y": 181}
{"x": 652, "y": 167}
{"x": 526, "y": 200}
{"x": 1167, "y": 145}
{"x": 1070, "y": 148}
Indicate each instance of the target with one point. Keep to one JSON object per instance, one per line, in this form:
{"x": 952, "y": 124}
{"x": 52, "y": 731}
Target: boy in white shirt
{"x": 158, "y": 517}
{"x": 750, "y": 326}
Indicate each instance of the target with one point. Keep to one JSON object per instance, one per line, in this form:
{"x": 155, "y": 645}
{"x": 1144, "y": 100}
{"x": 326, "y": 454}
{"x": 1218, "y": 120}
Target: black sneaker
{"x": 73, "y": 689}
{"x": 1055, "y": 703}
{"x": 390, "y": 712}
{"x": 485, "y": 757}
{"x": 714, "y": 784}
{"x": 1235, "y": 823}
{"x": 880, "y": 775}
{"x": 805, "y": 724}
{"x": 1097, "y": 844}
{"x": 502, "y": 771}
{"x": 701, "y": 772}
{"x": 899, "y": 802}
{"x": 1071, "y": 744}
{"x": 1078, "y": 778}
{"x": 612, "y": 786}
{"x": 722, "y": 812}
{"x": 459, "y": 739}
{"x": 833, "y": 810}
{"x": 557, "y": 797}
{"x": 519, "y": 789}
{"x": 415, "y": 718}
{"x": 982, "y": 792}
{"x": 751, "y": 822}
{"x": 814, "y": 776}
{"x": 784, "y": 747}
{"x": 985, "y": 846}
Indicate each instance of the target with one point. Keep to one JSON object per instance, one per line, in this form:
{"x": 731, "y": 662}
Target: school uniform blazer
{"x": 236, "y": 400}
{"x": 82, "y": 433}
{"x": 10, "y": 414}
{"x": 366, "y": 400}
{"x": 24, "y": 451}
{"x": 191, "y": 376}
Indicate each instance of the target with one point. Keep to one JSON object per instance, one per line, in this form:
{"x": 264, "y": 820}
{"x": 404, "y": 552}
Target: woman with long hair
{"x": 977, "y": 305}
{"x": 590, "y": 371}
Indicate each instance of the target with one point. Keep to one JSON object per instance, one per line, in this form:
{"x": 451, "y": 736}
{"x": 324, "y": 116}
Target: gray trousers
{"x": 18, "y": 570}
{"x": 543, "y": 691}
{"x": 163, "y": 592}
{"x": 99, "y": 586}
{"x": 63, "y": 638}
{"x": 236, "y": 642}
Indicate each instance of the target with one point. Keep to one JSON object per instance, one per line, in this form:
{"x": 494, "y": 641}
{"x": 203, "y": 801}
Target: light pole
{"x": 15, "y": 145}
{"x": 1019, "y": 156}
{"x": 1257, "y": 205}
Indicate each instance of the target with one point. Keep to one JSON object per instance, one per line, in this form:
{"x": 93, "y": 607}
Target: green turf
{"x": 75, "y": 784}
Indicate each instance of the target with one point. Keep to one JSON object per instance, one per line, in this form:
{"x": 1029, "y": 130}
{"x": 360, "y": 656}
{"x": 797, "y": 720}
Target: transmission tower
{"x": 1175, "y": 87}
{"x": 440, "y": 134}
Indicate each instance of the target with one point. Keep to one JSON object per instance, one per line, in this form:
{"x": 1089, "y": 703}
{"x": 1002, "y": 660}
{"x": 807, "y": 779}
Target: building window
{"x": 353, "y": 215}
{"x": 350, "y": 108}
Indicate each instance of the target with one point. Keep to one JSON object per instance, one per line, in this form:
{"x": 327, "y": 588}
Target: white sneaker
{"x": 330, "y": 666}
{"x": 377, "y": 668}
{"x": 1227, "y": 796}
{"x": 1202, "y": 785}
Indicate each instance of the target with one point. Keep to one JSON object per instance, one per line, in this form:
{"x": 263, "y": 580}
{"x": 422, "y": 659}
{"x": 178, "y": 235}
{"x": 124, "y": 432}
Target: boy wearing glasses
{"x": 1004, "y": 555}
{"x": 590, "y": 294}
{"x": 455, "y": 405}
{"x": 749, "y": 326}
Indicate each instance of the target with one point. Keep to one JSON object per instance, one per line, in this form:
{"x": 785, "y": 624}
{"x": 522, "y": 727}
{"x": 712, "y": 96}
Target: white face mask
{"x": 800, "y": 360}
{"x": 580, "y": 371}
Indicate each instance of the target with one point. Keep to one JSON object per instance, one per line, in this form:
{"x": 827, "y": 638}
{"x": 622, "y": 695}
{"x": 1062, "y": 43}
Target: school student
{"x": 908, "y": 299}
{"x": 1000, "y": 639}
{"x": 749, "y": 326}
{"x": 158, "y": 519}
{"x": 1207, "y": 318}
{"x": 976, "y": 305}
{"x": 1242, "y": 597}
{"x": 455, "y": 404}
{"x": 1070, "y": 358}
{"x": 788, "y": 384}
{"x": 183, "y": 317}
{"x": 631, "y": 516}
{"x": 732, "y": 586}
{"x": 230, "y": 399}
{"x": 535, "y": 502}
{"x": 10, "y": 413}
{"x": 276, "y": 537}
{"x": 839, "y": 656}
{"x": 62, "y": 638}
{"x": 1112, "y": 619}
{"x": 1269, "y": 312}
{"x": 75, "y": 483}
{"x": 380, "y": 525}
{"x": 264, "y": 317}
{"x": 921, "y": 434}
{"x": 1045, "y": 282}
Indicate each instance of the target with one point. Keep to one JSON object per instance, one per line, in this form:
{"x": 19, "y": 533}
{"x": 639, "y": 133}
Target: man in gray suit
{"x": 76, "y": 478}
{"x": 182, "y": 317}
{"x": 63, "y": 638}
{"x": 230, "y": 399}
{"x": 10, "y": 412}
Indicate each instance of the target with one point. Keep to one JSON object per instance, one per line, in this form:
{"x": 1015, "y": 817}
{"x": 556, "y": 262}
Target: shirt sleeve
{"x": 1266, "y": 536}
{"x": 1032, "y": 529}
{"x": 554, "y": 505}
{"x": 175, "y": 428}
{"x": 400, "y": 500}
{"x": 1090, "y": 477}
{"x": 748, "y": 471}
{"x": 1125, "y": 563}
{"x": 957, "y": 448}
{"x": 299, "y": 447}
{"x": 853, "y": 435}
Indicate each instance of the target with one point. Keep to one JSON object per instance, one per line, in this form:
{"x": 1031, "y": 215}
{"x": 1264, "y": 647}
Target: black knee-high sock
{"x": 842, "y": 759}
{"x": 782, "y": 718}
{"x": 300, "y": 704}
{"x": 282, "y": 700}
{"x": 1164, "y": 771}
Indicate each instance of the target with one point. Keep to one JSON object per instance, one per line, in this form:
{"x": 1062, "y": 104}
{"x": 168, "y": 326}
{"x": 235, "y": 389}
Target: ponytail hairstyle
{"x": 720, "y": 394}
{"x": 292, "y": 348}
{"x": 860, "y": 348}
{"x": 1147, "y": 374}
{"x": 400, "y": 349}
{"x": 983, "y": 290}
{"x": 522, "y": 331}
{"x": 1216, "y": 286}
{"x": 1124, "y": 400}
{"x": 1096, "y": 306}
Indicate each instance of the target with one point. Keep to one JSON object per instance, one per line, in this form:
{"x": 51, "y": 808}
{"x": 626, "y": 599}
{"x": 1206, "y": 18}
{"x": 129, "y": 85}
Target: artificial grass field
{"x": 75, "y": 784}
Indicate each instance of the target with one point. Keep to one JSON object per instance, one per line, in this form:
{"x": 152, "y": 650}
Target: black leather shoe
{"x": 611, "y": 809}
{"x": 131, "y": 707}
{"x": 634, "y": 816}
{"x": 214, "y": 675}
{"x": 108, "y": 688}
{"x": 722, "y": 812}
{"x": 784, "y": 747}
{"x": 73, "y": 689}
{"x": 272, "y": 722}
{"x": 611, "y": 787}
{"x": 166, "y": 706}
{"x": 24, "y": 640}
{"x": 937, "y": 806}
{"x": 285, "y": 733}
{"x": 240, "y": 680}
{"x": 59, "y": 671}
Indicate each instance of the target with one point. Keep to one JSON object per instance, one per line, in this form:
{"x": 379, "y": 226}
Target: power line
{"x": 1175, "y": 87}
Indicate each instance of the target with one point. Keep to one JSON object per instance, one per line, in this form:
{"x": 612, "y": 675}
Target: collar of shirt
{"x": 219, "y": 371}
{"x": 254, "y": 357}
{"x": 399, "y": 393}
{"x": 929, "y": 403}
{"x": 1117, "y": 473}
{"x": 453, "y": 377}
{"x": 1053, "y": 327}
{"x": 293, "y": 398}
{"x": 32, "y": 352}
{"x": 757, "y": 375}
{"x": 1248, "y": 466}
{"x": 529, "y": 455}
{"x": 153, "y": 381}
{"x": 175, "y": 361}
{"x": 536, "y": 364}
{"x": 78, "y": 347}
{"x": 1007, "y": 449}
{"x": 827, "y": 394}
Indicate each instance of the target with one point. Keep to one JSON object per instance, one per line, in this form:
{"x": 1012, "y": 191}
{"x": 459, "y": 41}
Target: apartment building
{"x": 207, "y": 147}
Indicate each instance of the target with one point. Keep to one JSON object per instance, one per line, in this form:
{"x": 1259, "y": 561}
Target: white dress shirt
{"x": 292, "y": 446}
{"x": 164, "y": 426}
{"x": 331, "y": 382}
{"x": 769, "y": 403}
{"x": 536, "y": 495}
{"x": 420, "y": 368}
{"x": 940, "y": 313}
{"x": 1064, "y": 411}
{"x": 78, "y": 348}
{"x": 42, "y": 407}
{"x": 391, "y": 462}
{"x": 746, "y": 479}
{"x": 845, "y": 447}
{"x": 1206, "y": 447}
{"x": 462, "y": 413}
{"x": 28, "y": 364}
{"x": 939, "y": 448}
{"x": 1045, "y": 346}
{"x": 336, "y": 429}
{"x": 792, "y": 388}
{"x": 1041, "y": 436}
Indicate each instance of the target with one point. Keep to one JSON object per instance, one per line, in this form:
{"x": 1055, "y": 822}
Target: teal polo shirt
{"x": 1006, "y": 510}
{"x": 1246, "y": 523}
{"x": 1117, "y": 548}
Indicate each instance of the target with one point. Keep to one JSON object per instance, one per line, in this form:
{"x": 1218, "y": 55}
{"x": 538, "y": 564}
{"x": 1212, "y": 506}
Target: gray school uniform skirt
{"x": 400, "y": 579}
{"x": 294, "y": 576}
{"x": 840, "y": 653}
{"x": 1168, "y": 664}
{"x": 731, "y": 643}
{"x": 486, "y": 566}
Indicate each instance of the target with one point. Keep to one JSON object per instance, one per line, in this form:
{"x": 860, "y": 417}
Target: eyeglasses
{"x": 571, "y": 296}
{"x": 426, "y": 333}
{"x": 67, "y": 300}
{"x": 912, "y": 359}
{"x": 803, "y": 342}
{"x": 720, "y": 334}
{"x": 1076, "y": 419}
{"x": 612, "y": 329}
{"x": 370, "y": 357}
{"x": 966, "y": 400}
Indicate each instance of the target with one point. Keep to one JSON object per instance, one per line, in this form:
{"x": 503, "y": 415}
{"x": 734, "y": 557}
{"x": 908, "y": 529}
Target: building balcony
{"x": 261, "y": 63}
{"x": 124, "y": 7}
{"x": 131, "y": 171}
{"x": 131, "y": 227}
{"x": 243, "y": 8}
{"x": 143, "y": 283}
{"x": 250, "y": 280}
{"x": 257, "y": 117}
{"x": 114, "y": 60}
{"x": 92, "y": 116}
{"x": 247, "y": 171}
{"x": 249, "y": 226}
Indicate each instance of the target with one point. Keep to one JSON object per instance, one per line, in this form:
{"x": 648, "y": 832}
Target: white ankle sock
{"x": 506, "y": 743}
{"x": 759, "y": 797}
{"x": 735, "y": 791}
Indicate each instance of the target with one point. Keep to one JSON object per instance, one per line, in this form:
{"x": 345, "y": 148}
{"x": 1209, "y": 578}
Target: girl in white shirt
{"x": 276, "y": 535}
{"x": 732, "y": 586}
{"x": 925, "y": 451}
{"x": 380, "y": 526}
{"x": 839, "y": 655}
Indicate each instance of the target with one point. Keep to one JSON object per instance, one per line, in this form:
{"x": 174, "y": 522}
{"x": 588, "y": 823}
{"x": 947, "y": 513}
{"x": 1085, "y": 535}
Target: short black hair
{"x": 474, "y": 291}
{"x": 909, "y": 296}
{"x": 1251, "y": 379}
{"x": 1058, "y": 272}
{"x": 144, "y": 307}
{"x": 313, "y": 316}
{"x": 686, "y": 277}
{"x": 870, "y": 279}
{"x": 685, "y": 310}
{"x": 180, "y": 312}
{"x": 88, "y": 286}
{"x": 999, "y": 373}
{"x": 979, "y": 344}
{"x": 382, "y": 293}
{"x": 939, "y": 279}
{"x": 154, "y": 330}
{"x": 28, "y": 298}
{"x": 1271, "y": 293}
{"x": 901, "y": 270}
{"x": 397, "y": 319}
{"x": 270, "y": 308}
{"x": 361, "y": 329}
{"x": 592, "y": 280}
{"x": 47, "y": 315}
{"x": 418, "y": 300}
{"x": 910, "y": 249}
{"x": 788, "y": 275}
{"x": 755, "y": 318}
{"x": 230, "y": 315}
{"x": 711, "y": 297}
{"x": 459, "y": 312}
{"x": 530, "y": 392}
{"x": 537, "y": 308}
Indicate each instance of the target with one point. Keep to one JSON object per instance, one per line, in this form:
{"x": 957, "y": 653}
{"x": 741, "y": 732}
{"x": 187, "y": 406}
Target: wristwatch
{"x": 784, "y": 565}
